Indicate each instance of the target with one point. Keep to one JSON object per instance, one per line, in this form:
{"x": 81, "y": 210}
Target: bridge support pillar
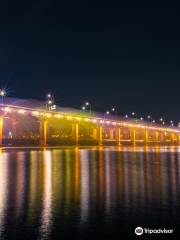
{"x": 134, "y": 136}
{"x": 76, "y": 133}
{"x": 119, "y": 136}
{"x": 111, "y": 134}
{"x": 161, "y": 137}
{"x": 100, "y": 135}
{"x": 14, "y": 128}
{"x": 1, "y": 130}
{"x": 45, "y": 133}
{"x": 157, "y": 137}
{"x": 94, "y": 134}
{"x": 172, "y": 138}
{"x": 164, "y": 137}
{"x": 146, "y": 136}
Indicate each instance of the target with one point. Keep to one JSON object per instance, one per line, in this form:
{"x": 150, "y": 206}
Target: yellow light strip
{"x": 10, "y": 108}
{"x": 69, "y": 118}
{"x": 58, "y": 116}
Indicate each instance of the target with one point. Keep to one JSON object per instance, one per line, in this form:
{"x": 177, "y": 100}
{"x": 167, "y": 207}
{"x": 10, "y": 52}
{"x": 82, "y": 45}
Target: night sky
{"x": 112, "y": 54}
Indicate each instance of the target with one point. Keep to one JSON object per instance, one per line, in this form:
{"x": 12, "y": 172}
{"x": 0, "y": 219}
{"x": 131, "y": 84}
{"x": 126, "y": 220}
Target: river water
{"x": 88, "y": 193}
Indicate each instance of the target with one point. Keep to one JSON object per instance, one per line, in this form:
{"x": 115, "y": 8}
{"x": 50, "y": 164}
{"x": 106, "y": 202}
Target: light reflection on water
{"x": 86, "y": 193}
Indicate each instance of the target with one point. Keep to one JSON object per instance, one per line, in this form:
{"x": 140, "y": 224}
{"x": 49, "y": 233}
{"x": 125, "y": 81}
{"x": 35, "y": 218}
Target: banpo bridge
{"x": 28, "y": 122}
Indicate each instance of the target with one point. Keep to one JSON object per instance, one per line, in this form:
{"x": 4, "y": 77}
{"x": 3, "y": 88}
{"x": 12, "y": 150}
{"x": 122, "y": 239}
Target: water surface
{"x": 72, "y": 193}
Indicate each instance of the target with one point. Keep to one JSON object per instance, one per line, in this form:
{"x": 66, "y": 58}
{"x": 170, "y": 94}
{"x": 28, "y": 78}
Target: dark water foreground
{"x": 88, "y": 193}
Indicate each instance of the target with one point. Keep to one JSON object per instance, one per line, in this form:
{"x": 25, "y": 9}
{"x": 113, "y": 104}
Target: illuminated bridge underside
{"x": 21, "y": 125}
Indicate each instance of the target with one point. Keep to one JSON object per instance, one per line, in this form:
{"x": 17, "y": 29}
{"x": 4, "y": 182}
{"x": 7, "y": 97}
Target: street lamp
{"x": 49, "y": 102}
{"x": 134, "y": 115}
{"x": 162, "y": 121}
{"x": 126, "y": 116}
{"x": 49, "y": 95}
{"x": 141, "y": 118}
{"x": 150, "y": 118}
{"x": 106, "y": 113}
{"x": 88, "y": 104}
{"x": 83, "y": 108}
{"x": 114, "y": 110}
{"x": 2, "y": 95}
{"x": 171, "y": 123}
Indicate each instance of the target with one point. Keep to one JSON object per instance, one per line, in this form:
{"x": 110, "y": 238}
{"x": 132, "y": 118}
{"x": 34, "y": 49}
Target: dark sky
{"x": 123, "y": 54}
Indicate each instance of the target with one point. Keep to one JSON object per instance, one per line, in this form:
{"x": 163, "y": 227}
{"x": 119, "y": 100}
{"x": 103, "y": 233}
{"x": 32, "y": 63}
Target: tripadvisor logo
{"x": 140, "y": 231}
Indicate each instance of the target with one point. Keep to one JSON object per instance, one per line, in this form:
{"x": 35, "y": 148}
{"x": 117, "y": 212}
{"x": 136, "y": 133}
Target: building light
{"x": 58, "y": 116}
{"x": 78, "y": 118}
{"x": 47, "y": 115}
{"x": 69, "y": 118}
{"x": 7, "y": 109}
{"x": 87, "y": 119}
{"x": 35, "y": 113}
{"x": 21, "y": 111}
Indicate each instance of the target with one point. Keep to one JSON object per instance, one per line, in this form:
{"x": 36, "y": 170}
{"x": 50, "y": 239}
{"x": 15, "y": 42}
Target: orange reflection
{"x": 77, "y": 173}
{"x": 4, "y": 190}
{"x": 85, "y": 185}
{"x": 34, "y": 184}
{"x": 20, "y": 182}
{"x": 46, "y": 215}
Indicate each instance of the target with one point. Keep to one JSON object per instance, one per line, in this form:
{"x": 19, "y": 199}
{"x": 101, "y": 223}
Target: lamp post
{"x": 161, "y": 120}
{"x": 134, "y": 115}
{"x": 49, "y": 102}
{"x": 107, "y": 113}
{"x": 88, "y": 104}
{"x": 149, "y": 117}
{"x": 172, "y": 123}
{"x": 2, "y": 95}
{"x": 114, "y": 110}
{"x": 49, "y": 95}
